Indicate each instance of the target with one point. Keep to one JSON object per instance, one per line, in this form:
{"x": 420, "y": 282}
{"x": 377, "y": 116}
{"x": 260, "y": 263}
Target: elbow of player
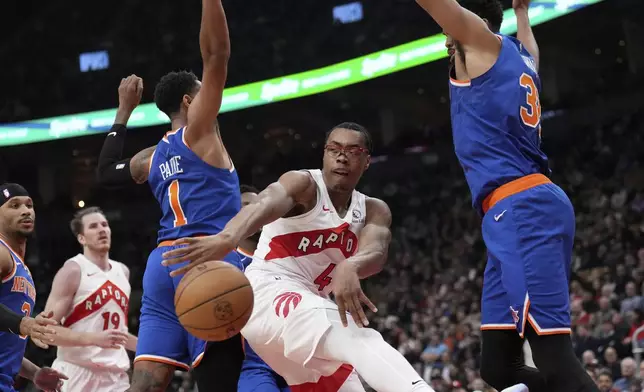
{"x": 216, "y": 54}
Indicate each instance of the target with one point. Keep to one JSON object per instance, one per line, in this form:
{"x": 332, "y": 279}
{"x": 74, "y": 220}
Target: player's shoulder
{"x": 6, "y": 259}
{"x": 298, "y": 179}
{"x": 71, "y": 266}
{"x": 377, "y": 208}
{"x": 124, "y": 268}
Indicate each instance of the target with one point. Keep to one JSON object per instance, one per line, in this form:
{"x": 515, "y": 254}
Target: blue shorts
{"x": 529, "y": 237}
{"x": 257, "y": 376}
{"x": 161, "y": 337}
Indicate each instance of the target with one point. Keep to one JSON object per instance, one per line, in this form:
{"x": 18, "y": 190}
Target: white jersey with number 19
{"x": 101, "y": 302}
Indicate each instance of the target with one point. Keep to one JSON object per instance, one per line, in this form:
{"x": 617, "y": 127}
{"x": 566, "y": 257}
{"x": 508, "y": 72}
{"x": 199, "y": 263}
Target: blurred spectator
{"x": 605, "y": 382}
{"x": 629, "y": 378}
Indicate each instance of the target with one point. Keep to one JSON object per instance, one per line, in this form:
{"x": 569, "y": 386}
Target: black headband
{"x": 9, "y": 190}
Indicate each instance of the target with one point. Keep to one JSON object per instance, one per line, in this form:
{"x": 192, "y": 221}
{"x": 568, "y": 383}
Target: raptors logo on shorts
{"x": 286, "y": 302}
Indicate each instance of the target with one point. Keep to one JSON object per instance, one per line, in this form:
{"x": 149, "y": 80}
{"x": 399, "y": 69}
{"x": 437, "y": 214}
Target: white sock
{"x": 516, "y": 388}
{"x": 380, "y": 365}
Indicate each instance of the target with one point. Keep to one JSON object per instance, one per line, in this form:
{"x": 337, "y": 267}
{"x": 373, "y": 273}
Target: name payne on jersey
{"x": 170, "y": 167}
{"x": 22, "y": 285}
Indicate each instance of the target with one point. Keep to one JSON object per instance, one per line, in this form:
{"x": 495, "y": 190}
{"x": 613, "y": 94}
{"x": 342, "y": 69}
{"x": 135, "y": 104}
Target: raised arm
{"x": 461, "y": 24}
{"x": 60, "y": 302}
{"x": 112, "y": 169}
{"x": 277, "y": 200}
{"x": 374, "y": 239}
{"x": 524, "y": 30}
{"x": 215, "y": 51}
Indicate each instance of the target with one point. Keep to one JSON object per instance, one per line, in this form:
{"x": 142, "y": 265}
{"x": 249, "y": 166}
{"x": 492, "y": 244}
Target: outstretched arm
{"x": 374, "y": 239}
{"x": 45, "y": 379}
{"x": 524, "y": 30}
{"x": 461, "y": 24}
{"x": 292, "y": 189}
{"x": 112, "y": 169}
{"x": 215, "y": 51}
{"x": 369, "y": 259}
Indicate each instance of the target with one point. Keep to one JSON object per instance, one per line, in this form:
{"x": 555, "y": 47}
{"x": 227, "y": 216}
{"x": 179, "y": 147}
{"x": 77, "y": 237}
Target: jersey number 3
{"x": 26, "y": 310}
{"x": 531, "y": 111}
{"x": 175, "y": 204}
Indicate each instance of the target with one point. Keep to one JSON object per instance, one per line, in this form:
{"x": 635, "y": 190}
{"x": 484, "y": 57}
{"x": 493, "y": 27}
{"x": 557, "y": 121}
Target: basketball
{"x": 214, "y": 301}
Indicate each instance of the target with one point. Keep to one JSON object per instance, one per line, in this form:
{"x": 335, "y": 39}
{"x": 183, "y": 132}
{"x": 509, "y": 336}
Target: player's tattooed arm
{"x": 150, "y": 377}
{"x": 524, "y": 30}
{"x": 461, "y": 24}
{"x": 374, "y": 239}
{"x": 295, "y": 190}
{"x": 140, "y": 165}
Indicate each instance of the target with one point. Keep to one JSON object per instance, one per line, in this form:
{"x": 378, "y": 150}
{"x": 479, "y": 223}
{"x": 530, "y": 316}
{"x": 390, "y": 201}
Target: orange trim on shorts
{"x": 512, "y": 188}
{"x": 171, "y": 242}
{"x": 150, "y": 358}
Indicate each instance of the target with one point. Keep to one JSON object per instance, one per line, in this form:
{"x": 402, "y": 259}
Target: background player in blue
{"x": 18, "y": 295}
{"x": 256, "y": 375}
{"x": 528, "y": 222}
{"x": 194, "y": 180}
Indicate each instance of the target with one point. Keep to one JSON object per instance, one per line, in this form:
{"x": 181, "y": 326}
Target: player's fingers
{"x": 342, "y": 309}
{"x": 174, "y": 256}
{"x": 185, "y": 241}
{"x": 365, "y": 300}
{"x": 40, "y": 344}
{"x": 182, "y": 270}
{"x": 357, "y": 312}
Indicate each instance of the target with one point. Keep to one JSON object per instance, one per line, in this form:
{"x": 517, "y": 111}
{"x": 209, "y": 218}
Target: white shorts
{"x": 82, "y": 379}
{"x": 286, "y": 326}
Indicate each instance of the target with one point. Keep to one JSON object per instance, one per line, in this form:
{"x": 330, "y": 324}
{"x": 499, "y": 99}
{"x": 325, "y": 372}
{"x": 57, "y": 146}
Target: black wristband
{"x": 112, "y": 169}
{"x": 9, "y": 320}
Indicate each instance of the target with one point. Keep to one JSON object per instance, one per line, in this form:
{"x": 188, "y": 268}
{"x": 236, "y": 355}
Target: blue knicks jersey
{"x": 18, "y": 293}
{"x": 496, "y": 122}
{"x": 195, "y": 198}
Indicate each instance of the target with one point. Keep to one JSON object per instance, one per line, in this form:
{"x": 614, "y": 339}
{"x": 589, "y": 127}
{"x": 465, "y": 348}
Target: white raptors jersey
{"x": 101, "y": 302}
{"x": 308, "y": 247}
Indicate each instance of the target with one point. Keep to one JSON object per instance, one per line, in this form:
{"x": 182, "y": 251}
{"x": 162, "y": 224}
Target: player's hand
{"x": 197, "y": 251}
{"x": 130, "y": 92}
{"x": 521, "y": 4}
{"x": 111, "y": 338}
{"x": 38, "y": 329}
{"x": 49, "y": 380}
{"x": 348, "y": 294}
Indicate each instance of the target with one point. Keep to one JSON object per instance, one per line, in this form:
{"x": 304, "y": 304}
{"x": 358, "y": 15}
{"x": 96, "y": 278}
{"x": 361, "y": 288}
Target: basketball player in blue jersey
{"x": 18, "y": 295}
{"x": 256, "y": 375}
{"x": 194, "y": 180}
{"x": 528, "y": 222}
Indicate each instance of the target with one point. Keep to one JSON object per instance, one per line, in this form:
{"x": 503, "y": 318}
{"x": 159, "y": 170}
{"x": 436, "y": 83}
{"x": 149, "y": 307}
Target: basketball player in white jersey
{"x": 319, "y": 236}
{"x": 90, "y": 297}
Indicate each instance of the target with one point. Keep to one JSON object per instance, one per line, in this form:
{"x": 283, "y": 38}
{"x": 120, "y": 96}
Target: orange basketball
{"x": 214, "y": 301}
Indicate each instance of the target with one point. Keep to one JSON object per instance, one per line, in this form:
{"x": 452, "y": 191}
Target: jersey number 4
{"x": 324, "y": 279}
{"x": 531, "y": 111}
{"x": 175, "y": 204}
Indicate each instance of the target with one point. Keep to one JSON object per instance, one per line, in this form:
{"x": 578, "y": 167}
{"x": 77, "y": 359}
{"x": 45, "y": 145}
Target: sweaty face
{"x": 345, "y": 159}
{"x": 96, "y": 233}
{"x": 18, "y": 216}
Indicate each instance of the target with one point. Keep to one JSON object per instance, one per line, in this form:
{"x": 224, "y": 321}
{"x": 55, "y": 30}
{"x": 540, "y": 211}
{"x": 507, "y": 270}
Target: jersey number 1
{"x": 531, "y": 112}
{"x": 175, "y": 204}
